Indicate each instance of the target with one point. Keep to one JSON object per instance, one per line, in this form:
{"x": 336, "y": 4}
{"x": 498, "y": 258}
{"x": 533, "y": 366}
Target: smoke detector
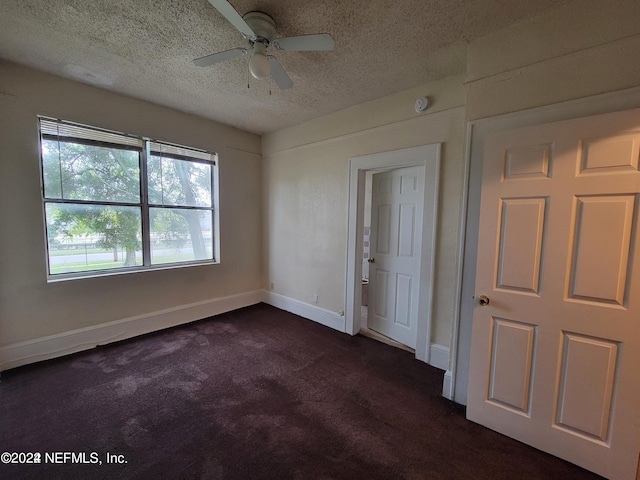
{"x": 422, "y": 104}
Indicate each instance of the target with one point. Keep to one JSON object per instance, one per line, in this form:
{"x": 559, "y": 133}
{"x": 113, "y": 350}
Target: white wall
{"x": 586, "y": 48}
{"x": 305, "y": 174}
{"x": 31, "y": 308}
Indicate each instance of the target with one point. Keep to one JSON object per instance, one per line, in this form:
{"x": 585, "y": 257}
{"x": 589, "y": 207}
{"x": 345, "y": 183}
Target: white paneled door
{"x": 394, "y": 270}
{"x": 555, "y": 356}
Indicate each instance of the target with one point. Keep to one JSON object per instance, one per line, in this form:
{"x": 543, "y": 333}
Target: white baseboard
{"x": 53, "y": 346}
{"x": 447, "y": 385}
{"x": 439, "y": 356}
{"x": 306, "y": 310}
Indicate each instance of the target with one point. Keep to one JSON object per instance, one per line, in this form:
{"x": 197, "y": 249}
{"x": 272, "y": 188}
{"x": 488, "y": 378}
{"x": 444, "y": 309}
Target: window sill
{"x": 63, "y": 277}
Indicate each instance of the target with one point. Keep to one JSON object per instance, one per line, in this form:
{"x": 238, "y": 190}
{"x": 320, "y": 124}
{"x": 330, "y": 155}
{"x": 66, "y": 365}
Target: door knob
{"x": 483, "y": 300}
{"x": 372, "y": 260}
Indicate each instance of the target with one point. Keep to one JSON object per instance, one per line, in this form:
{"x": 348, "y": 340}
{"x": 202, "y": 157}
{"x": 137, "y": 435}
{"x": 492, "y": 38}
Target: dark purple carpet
{"x": 256, "y": 393}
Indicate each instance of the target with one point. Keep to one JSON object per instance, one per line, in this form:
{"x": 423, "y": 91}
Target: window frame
{"x": 144, "y": 204}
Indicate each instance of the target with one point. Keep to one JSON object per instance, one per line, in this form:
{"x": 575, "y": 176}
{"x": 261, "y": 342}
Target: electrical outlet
{"x": 315, "y": 298}
{"x": 271, "y": 286}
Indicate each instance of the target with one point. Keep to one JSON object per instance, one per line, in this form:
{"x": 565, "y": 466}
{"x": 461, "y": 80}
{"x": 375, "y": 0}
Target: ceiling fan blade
{"x": 308, "y": 43}
{"x": 235, "y": 19}
{"x": 279, "y": 75}
{"x": 219, "y": 57}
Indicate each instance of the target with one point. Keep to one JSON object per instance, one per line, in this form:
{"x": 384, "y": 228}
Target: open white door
{"x": 396, "y": 241}
{"x": 556, "y": 352}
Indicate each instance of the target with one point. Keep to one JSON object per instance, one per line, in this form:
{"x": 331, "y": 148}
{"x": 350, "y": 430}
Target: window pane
{"x": 74, "y": 171}
{"x": 92, "y": 237}
{"x": 180, "y": 235}
{"x": 51, "y": 169}
{"x": 179, "y": 182}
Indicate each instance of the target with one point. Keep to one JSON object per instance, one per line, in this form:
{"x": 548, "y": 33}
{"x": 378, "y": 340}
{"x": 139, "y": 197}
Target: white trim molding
{"x": 305, "y": 310}
{"x": 73, "y": 341}
{"x": 439, "y": 356}
{"x": 447, "y": 385}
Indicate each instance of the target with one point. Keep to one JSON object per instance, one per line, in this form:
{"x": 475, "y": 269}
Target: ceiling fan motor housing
{"x": 263, "y": 26}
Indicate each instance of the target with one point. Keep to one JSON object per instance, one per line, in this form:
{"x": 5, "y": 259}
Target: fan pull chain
{"x": 248, "y": 73}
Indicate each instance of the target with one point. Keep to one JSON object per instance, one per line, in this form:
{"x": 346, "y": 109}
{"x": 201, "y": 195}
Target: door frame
{"x": 427, "y": 156}
{"x": 477, "y": 132}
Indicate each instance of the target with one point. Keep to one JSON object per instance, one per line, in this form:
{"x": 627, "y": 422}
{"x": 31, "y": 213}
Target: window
{"x": 117, "y": 203}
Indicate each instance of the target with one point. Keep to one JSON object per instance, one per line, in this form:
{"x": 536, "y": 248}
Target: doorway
{"x": 428, "y": 157}
{"x": 395, "y": 235}
{"x": 367, "y": 259}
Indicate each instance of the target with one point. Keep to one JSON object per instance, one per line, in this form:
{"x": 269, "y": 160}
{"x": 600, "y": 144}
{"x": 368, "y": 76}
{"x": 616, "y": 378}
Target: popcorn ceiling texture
{"x": 144, "y": 49}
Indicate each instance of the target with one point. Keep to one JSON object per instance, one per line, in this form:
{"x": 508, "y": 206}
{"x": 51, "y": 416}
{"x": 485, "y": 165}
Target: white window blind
{"x": 161, "y": 148}
{"x": 61, "y": 129}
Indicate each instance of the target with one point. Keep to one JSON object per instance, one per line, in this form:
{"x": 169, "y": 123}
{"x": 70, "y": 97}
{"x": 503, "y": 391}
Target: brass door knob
{"x": 372, "y": 260}
{"x": 483, "y": 300}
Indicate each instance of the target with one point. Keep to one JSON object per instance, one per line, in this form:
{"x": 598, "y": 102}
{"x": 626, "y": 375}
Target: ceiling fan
{"x": 259, "y": 29}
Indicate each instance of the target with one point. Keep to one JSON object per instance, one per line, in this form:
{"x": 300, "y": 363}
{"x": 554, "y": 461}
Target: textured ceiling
{"x": 145, "y": 48}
